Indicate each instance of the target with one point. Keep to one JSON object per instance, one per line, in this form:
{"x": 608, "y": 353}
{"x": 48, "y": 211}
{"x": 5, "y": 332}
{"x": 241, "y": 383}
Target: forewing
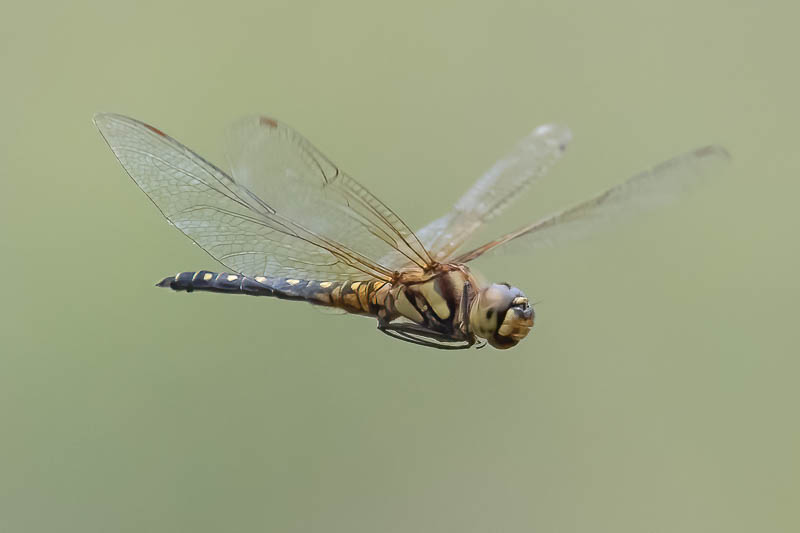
{"x": 657, "y": 187}
{"x": 529, "y": 161}
{"x": 278, "y": 164}
{"x": 223, "y": 217}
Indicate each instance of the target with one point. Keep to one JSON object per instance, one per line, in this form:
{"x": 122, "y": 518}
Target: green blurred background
{"x": 657, "y": 393}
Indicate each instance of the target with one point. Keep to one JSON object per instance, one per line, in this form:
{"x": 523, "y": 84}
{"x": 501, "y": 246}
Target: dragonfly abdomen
{"x": 362, "y": 297}
{"x": 225, "y": 282}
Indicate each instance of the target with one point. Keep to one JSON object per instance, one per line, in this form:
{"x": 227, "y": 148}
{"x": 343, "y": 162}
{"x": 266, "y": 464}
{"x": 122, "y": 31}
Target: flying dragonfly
{"x": 288, "y": 223}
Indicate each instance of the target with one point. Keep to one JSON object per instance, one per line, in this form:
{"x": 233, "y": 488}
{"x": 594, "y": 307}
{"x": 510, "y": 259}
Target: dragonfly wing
{"x": 530, "y": 160}
{"x": 224, "y": 217}
{"x": 648, "y": 190}
{"x": 278, "y": 164}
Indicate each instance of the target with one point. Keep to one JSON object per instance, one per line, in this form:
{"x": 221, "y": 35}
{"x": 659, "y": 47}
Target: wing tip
{"x": 100, "y": 118}
{"x": 104, "y": 116}
{"x": 713, "y": 151}
{"x": 554, "y": 132}
{"x": 103, "y": 120}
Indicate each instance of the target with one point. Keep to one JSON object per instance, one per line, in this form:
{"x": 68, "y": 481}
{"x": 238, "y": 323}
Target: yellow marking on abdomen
{"x": 208, "y": 276}
{"x": 379, "y": 292}
{"x": 292, "y": 282}
{"x": 362, "y": 297}
{"x": 325, "y": 284}
{"x": 261, "y": 279}
{"x": 231, "y": 277}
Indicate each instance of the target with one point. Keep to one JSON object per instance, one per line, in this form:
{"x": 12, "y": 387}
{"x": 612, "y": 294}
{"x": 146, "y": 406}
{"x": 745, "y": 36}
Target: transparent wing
{"x": 223, "y": 217}
{"x": 277, "y": 164}
{"x": 529, "y": 161}
{"x": 651, "y": 189}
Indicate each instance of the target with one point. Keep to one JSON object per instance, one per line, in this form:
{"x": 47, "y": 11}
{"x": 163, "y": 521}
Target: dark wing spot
{"x": 268, "y": 122}
{"x": 155, "y": 130}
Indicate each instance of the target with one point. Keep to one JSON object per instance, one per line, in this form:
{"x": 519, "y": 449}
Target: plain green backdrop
{"x": 657, "y": 393}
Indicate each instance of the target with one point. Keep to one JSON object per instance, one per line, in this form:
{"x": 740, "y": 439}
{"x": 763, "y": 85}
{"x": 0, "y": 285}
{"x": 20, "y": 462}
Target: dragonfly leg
{"x": 416, "y": 334}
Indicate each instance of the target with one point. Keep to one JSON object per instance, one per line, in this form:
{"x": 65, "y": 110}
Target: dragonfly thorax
{"x": 501, "y": 314}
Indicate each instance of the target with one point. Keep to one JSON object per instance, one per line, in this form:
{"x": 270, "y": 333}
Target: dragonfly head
{"x": 501, "y": 314}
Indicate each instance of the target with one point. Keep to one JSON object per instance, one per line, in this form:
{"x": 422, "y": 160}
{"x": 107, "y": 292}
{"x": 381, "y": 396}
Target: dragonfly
{"x": 288, "y": 223}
